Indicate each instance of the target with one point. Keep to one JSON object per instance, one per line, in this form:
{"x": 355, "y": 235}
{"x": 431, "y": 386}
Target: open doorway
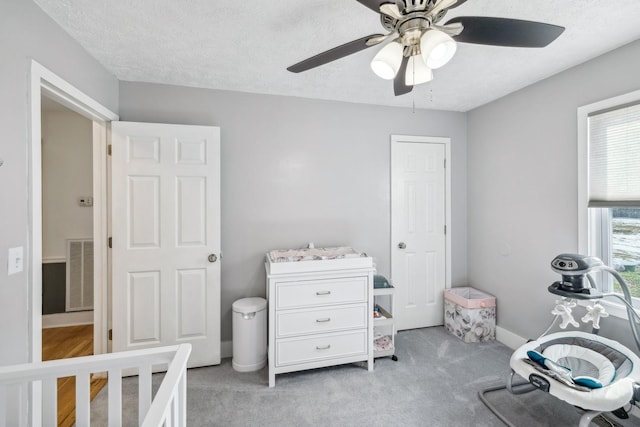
{"x": 67, "y": 217}
{"x": 67, "y": 245}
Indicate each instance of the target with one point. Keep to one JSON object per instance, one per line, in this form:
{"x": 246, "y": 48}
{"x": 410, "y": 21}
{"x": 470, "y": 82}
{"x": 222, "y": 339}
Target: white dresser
{"x": 320, "y": 309}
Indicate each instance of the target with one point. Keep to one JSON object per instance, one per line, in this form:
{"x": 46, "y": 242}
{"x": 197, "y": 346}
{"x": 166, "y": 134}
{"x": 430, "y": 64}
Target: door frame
{"x": 45, "y": 82}
{"x": 447, "y": 195}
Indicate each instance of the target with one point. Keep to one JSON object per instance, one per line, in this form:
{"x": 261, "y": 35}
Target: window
{"x": 609, "y": 187}
{"x": 618, "y": 230}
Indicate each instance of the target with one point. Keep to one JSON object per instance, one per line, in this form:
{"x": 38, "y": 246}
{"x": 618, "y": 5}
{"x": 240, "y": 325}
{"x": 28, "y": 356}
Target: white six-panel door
{"x": 166, "y": 238}
{"x": 418, "y": 244}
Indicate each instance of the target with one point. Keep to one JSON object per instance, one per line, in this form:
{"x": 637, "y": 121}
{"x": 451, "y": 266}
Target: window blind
{"x": 614, "y": 157}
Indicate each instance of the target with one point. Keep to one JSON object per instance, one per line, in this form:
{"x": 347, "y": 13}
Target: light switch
{"x": 15, "y": 261}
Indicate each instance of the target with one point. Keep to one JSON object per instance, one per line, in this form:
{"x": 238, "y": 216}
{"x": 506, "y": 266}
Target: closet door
{"x": 418, "y": 234}
{"x": 166, "y": 238}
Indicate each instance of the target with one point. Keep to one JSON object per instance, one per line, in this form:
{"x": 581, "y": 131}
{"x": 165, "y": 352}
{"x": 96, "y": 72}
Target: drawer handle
{"x": 326, "y": 319}
{"x": 323, "y": 347}
{"x": 323, "y": 293}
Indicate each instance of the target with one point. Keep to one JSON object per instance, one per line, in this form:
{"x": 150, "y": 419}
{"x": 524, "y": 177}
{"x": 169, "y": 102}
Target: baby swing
{"x": 593, "y": 373}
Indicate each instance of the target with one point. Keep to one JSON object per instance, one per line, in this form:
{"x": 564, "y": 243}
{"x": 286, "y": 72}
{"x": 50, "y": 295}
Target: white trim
{"x": 447, "y": 171}
{"x": 43, "y": 81}
{"x": 447, "y": 213}
{"x": 59, "y": 320}
{"x": 508, "y": 338}
{"x": 100, "y": 236}
{"x": 35, "y": 217}
{"x": 54, "y": 260}
{"x": 55, "y": 87}
{"x": 583, "y": 179}
{"x": 34, "y": 286}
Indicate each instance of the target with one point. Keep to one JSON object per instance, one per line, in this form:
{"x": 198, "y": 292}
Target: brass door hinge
{"x": 110, "y": 242}
{"x": 109, "y": 149}
{"x": 110, "y": 334}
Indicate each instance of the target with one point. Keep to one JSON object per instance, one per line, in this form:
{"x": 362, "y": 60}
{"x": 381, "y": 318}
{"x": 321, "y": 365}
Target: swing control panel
{"x": 574, "y": 264}
{"x": 573, "y": 268}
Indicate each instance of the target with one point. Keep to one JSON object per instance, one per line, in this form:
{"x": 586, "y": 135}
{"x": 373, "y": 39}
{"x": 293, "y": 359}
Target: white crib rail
{"x": 168, "y": 408}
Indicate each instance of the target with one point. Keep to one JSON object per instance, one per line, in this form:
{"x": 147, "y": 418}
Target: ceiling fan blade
{"x": 458, "y": 3}
{"x": 335, "y": 53}
{"x": 399, "y": 85}
{"x": 505, "y": 31}
{"x": 374, "y": 40}
{"x": 375, "y": 4}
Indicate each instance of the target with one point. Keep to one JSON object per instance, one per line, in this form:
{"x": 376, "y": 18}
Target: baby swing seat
{"x": 590, "y": 372}
{"x": 583, "y": 369}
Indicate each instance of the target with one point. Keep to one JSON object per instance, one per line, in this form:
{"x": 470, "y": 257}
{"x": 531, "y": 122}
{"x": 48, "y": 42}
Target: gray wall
{"x": 522, "y": 185}
{"x": 296, "y": 171}
{"x": 27, "y": 33}
{"x": 67, "y": 174}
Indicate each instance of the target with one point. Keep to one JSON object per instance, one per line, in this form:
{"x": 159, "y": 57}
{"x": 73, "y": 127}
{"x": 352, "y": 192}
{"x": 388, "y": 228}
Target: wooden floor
{"x": 63, "y": 343}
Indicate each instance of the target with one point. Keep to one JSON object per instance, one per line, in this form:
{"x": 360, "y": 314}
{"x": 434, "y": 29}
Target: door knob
{"x": 401, "y": 245}
{"x": 212, "y": 258}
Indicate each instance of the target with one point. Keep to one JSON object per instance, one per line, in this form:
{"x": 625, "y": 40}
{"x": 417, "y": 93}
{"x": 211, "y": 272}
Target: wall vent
{"x": 79, "y": 275}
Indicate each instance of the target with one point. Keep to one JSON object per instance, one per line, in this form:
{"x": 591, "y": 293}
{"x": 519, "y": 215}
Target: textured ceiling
{"x": 247, "y": 45}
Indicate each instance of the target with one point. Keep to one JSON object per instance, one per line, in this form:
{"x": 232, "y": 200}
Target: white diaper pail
{"x": 249, "y": 334}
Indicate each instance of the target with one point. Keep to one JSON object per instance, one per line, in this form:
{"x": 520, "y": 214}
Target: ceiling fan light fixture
{"x": 437, "y": 48}
{"x": 417, "y": 71}
{"x": 387, "y": 62}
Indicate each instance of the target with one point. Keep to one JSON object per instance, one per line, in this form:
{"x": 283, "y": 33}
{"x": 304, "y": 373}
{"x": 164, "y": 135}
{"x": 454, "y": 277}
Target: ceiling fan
{"x": 419, "y": 44}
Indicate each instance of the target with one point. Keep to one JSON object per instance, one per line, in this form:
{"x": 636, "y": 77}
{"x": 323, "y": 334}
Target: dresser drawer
{"x": 320, "y": 347}
{"x": 321, "y": 292}
{"x": 320, "y": 320}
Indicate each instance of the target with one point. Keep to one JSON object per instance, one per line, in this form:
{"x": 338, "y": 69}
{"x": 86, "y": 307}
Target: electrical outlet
{"x": 85, "y": 201}
{"x": 15, "y": 260}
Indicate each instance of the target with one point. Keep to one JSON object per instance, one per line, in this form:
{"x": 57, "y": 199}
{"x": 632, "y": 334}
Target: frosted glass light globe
{"x": 417, "y": 71}
{"x": 387, "y": 62}
{"x": 437, "y": 48}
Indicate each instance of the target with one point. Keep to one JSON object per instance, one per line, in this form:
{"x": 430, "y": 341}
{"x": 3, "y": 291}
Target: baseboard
{"x": 54, "y": 260}
{"x": 508, "y": 338}
{"x": 67, "y": 319}
{"x": 226, "y": 349}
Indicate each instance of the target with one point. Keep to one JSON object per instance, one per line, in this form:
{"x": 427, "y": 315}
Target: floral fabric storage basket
{"x": 470, "y": 314}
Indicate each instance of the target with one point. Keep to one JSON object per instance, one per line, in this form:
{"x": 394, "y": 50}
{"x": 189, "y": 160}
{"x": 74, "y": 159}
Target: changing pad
{"x": 308, "y": 254}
